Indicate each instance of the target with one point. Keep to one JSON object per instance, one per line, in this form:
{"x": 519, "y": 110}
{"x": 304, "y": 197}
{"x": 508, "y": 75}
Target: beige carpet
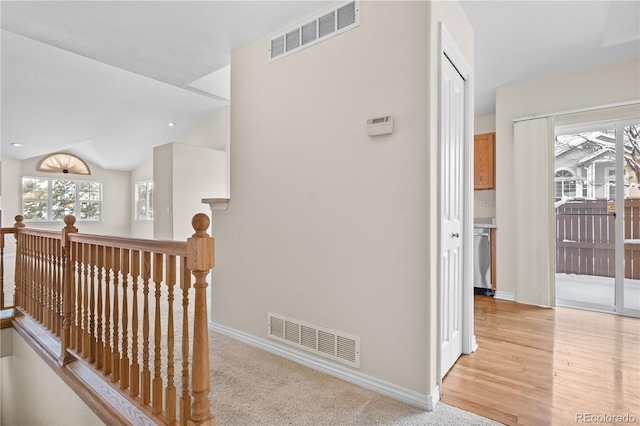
{"x": 253, "y": 387}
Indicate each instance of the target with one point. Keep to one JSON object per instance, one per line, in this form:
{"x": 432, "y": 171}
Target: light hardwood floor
{"x": 538, "y": 366}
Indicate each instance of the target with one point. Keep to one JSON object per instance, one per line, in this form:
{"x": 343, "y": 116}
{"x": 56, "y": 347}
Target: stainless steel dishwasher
{"x": 482, "y": 261}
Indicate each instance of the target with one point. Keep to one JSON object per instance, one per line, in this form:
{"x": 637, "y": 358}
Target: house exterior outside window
{"x": 565, "y": 183}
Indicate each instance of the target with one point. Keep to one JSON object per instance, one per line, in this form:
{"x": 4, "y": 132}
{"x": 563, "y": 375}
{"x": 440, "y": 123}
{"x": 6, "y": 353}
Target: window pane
{"x": 34, "y": 210}
{"x": 53, "y": 199}
{"x": 63, "y": 198}
{"x": 35, "y": 189}
{"x": 144, "y": 200}
{"x": 89, "y": 191}
{"x": 150, "y": 201}
{"x": 90, "y": 210}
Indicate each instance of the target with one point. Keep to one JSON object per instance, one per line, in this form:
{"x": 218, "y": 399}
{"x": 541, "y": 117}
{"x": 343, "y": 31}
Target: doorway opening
{"x": 597, "y": 212}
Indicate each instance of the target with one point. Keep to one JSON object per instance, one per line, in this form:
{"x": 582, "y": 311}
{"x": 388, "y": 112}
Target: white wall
{"x": 586, "y": 89}
{"x": 213, "y": 132}
{"x": 116, "y": 196}
{"x": 326, "y": 224}
{"x": 183, "y": 175}
{"x": 11, "y": 190}
{"x": 197, "y": 173}
{"x": 32, "y": 394}
{"x": 163, "y": 192}
{"x": 485, "y": 200}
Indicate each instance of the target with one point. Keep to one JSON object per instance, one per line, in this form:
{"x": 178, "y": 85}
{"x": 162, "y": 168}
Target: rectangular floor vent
{"x": 335, "y": 345}
{"x": 338, "y": 20}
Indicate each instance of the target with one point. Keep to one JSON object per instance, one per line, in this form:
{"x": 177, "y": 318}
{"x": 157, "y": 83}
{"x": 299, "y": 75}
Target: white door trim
{"x": 448, "y": 47}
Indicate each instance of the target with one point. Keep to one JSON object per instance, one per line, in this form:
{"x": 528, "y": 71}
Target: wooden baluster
{"x": 92, "y": 261}
{"x": 21, "y": 270}
{"x": 200, "y": 259}
{"x": 62, "y": 267}
{"x": 146, "y": 374}
{"x": 157, "y": 333}
{"x": 44, "y": 293}
{"x": 185, "y": 399}
{"x": 86, "y": 260}
{"x": 115, "y": 355}
{"x": 51, "y": 299}
{"x": 58, "y": 287}
{"x": 26, "y": 272}
{"x": 37, "y": 282}
{"x": 32, "y": 274}
{"x": 48, "y": 299}
{"x": 45, "y": 282}
{"x": 34, "y": 279}
{"x": 67, "y": 298}
{"x": 124, "y": 362}
{"x": 55, "y": 283}
{"x": 2, "y": 272}
{"x": 100, "y": 330}
{"x": 19, "y": 297}
{"x": 170, "y": 392}
{"x": 77, "y": 254}
{"x": 134, "y": 389}
{"x": 108, "y": 261}
{"x": 26, "y": 239}
{"x": 42, "y": 286}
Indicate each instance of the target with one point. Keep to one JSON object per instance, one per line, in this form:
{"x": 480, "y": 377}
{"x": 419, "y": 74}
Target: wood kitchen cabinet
{"x": 484, "y": 161}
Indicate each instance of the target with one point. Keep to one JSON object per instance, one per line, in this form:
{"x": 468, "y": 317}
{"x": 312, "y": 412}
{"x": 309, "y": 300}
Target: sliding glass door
{"x": 597, "y": 202}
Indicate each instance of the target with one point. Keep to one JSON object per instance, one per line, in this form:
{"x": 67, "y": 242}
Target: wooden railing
{"x": 586, "y": 238}
{"x": 126, "y": 308}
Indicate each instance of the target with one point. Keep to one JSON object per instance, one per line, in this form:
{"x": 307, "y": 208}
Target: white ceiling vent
{"x": 322, "y": 27}
{"x": 335, "y": 345}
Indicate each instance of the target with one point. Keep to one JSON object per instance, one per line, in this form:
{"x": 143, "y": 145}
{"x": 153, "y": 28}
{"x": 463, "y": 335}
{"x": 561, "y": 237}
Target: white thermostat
{"x": 380, "y": 126}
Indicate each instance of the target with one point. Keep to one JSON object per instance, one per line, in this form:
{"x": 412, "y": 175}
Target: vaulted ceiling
{"x": 99, "y": 78}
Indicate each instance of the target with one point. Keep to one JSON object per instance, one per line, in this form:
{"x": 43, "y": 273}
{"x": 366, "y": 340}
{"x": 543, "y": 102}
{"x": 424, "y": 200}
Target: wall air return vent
{"x": 335, "y": 345}
{"x": 322, "y": 27}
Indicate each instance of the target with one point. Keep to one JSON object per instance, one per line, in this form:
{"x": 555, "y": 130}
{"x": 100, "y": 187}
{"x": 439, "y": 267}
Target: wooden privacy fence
{"x": 126, "y": 308}
{"x": 585, "y": 239}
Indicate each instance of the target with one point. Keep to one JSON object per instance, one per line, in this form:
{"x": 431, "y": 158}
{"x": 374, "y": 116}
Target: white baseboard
{"x": 411, "y": 397}
{"x": 504, "y": 295}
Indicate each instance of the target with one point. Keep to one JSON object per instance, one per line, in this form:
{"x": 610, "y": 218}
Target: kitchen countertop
{"x": 484, "y": 222}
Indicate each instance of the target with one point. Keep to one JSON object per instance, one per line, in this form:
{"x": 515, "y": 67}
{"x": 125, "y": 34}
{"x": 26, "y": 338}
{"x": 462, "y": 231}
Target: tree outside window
{"x": 144, "y": 200}
{"x": 46, "y": 199}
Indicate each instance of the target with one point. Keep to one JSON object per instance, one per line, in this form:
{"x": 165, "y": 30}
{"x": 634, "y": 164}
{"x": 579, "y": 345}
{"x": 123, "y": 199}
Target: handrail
{"x": 110, "y": 302}
{"x": 176, "y": 248}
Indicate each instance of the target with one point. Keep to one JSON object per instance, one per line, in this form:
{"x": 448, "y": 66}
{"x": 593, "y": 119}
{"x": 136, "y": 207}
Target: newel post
{"x": 17, "y": 275}
{"x": 200, "y": 260}
{"x": 68, "y": 287}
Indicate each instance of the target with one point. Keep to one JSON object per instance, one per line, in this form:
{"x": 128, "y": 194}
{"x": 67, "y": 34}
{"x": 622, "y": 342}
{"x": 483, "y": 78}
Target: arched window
{"x": 63, "y": 162}
{"x": 565, "y": 183}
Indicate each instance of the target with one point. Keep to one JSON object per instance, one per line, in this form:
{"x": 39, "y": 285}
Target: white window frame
{"x": 49, "y": 200}
{"x": 148, "y": 216}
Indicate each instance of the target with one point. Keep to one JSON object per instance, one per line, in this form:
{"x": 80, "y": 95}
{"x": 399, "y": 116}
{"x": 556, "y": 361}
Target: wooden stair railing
{"x": 111, "y": 302}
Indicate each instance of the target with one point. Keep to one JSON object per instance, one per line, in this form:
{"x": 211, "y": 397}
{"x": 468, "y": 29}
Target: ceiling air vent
{"x": 335, "y": 345}
{"x": 324, "y": 26}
